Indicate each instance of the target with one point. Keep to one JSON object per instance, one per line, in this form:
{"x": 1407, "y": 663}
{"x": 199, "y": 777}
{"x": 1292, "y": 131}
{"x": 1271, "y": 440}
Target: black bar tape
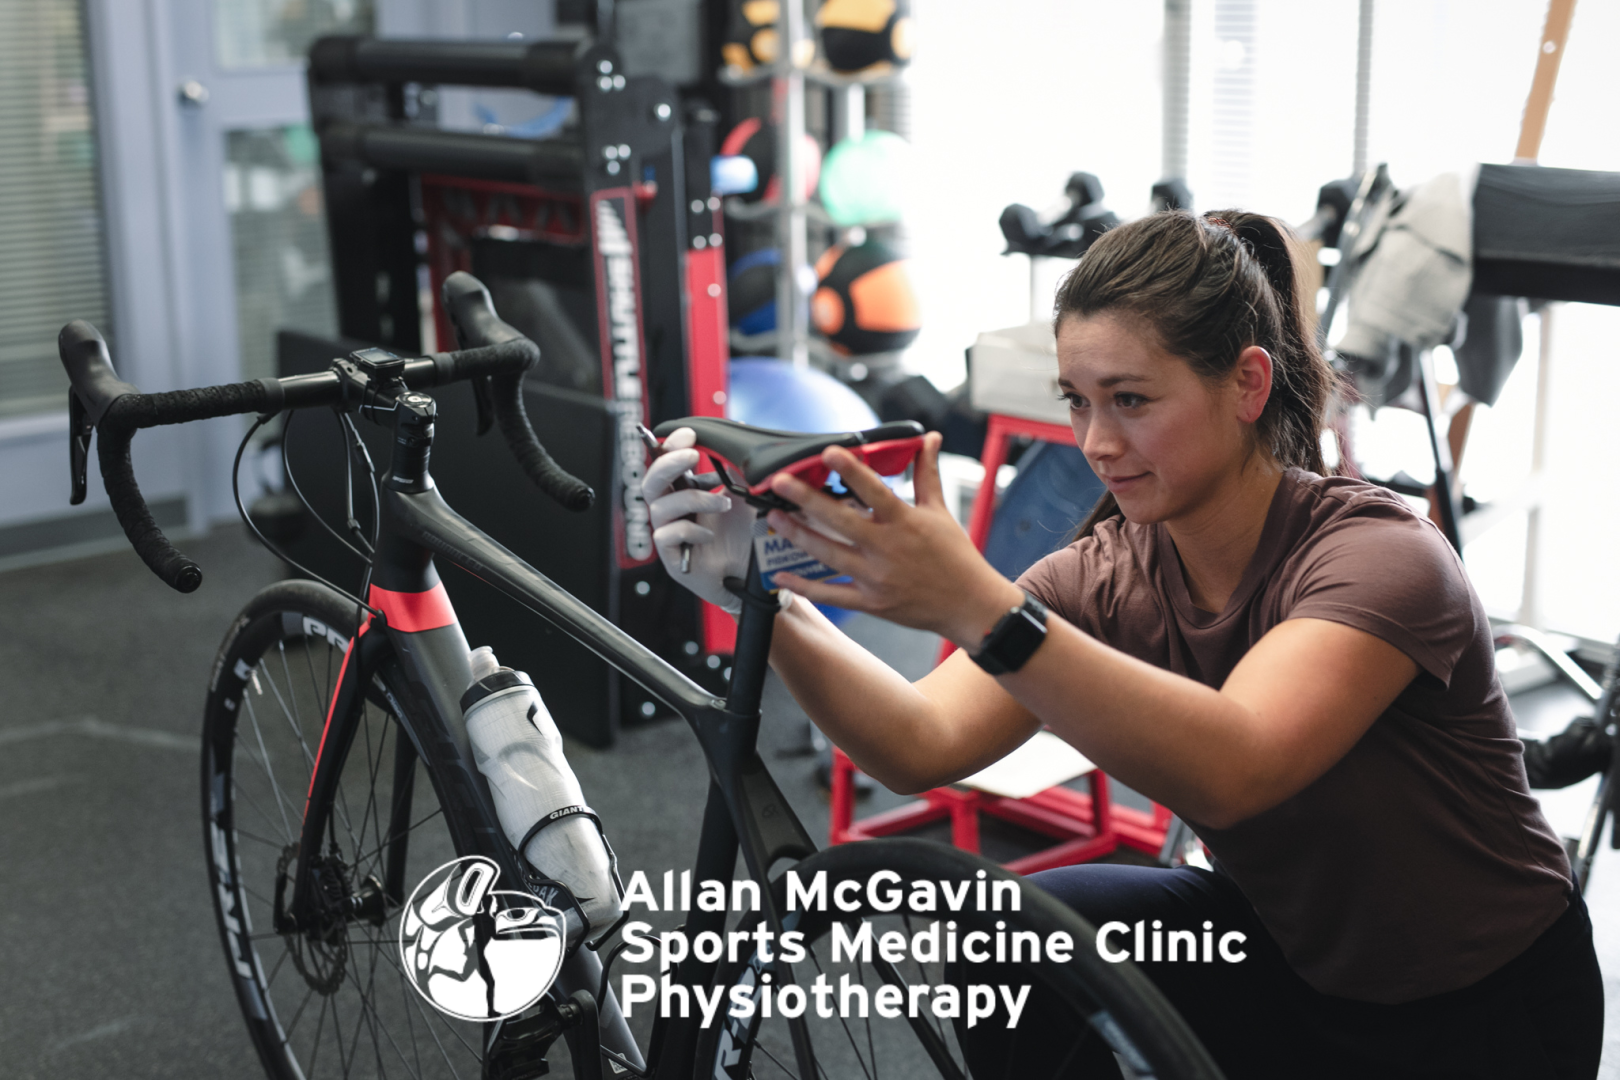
{"x": 127, "y": 415}
{"x": 118, "y": 473}
{"x": 134, "y": 411}
{"x": 568, "y": 490}
{"x": 512, "y": 357}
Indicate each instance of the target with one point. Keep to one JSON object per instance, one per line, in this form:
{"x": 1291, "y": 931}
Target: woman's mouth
{"x": 1118, "y": 484}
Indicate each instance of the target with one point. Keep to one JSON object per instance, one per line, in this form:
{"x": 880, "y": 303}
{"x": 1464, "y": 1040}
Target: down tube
{"x": 425, "y": 518}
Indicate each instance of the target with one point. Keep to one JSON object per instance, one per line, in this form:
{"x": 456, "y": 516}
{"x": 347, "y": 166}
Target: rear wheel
{"x": 329, "y": 1000}
{"x": 1081, "y": 1015}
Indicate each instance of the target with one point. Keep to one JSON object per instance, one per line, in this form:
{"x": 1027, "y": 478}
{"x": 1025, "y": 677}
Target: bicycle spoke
{"x": 320, "y": 1027}
{"x": 761, "y": 1047}
{"x": 260, "y": 897}
{"x": 405, "y": 995}
{"x": 298, "y": 1014}
{"x": 274, "y": 845}
{"x": 860, "y": 974}
{"x": 238, "y": 792}
{"x": 264, "y": 761}
{"x": 395, "y": 964}
{"x": 282, "y": 959}
{"x": 337, "y": 1031}
{"x": 297, "y": 728}
{"x": 853, "y": 1045}
{"x": 369, "y": 816}
{"x": 922, "y": 977}
{"x": 369, "y": 1011}
{"x": 390, "y": 839}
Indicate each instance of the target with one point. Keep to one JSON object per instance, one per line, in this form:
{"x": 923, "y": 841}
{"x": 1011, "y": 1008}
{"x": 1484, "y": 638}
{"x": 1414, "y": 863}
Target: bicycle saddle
{"x": 756, "y": 454}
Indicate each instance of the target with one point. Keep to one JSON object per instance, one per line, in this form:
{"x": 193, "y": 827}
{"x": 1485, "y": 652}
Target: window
{"x": 51, "y": 253}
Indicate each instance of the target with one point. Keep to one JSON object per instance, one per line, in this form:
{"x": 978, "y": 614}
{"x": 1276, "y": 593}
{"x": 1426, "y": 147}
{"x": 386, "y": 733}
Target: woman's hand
{"x": 911, "y": 564}
{"x": 703, "y": 536}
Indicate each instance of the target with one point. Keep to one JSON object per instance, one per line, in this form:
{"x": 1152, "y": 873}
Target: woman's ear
{"x": 1251, "y": 379}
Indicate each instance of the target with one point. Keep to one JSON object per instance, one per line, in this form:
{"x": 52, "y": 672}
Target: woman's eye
{"x": 1129, "y": 401}
{"x": 1075, "y": 401}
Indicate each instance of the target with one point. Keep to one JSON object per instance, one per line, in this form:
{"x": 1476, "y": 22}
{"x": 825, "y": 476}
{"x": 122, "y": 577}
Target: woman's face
{"x": 1165, "y": 441}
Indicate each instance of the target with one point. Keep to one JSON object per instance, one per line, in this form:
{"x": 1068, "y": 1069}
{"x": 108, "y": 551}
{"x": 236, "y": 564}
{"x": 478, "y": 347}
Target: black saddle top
{"x": 760, "y": 452}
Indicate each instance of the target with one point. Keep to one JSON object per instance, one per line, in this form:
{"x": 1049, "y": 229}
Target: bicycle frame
{"x": 745, "y": 807}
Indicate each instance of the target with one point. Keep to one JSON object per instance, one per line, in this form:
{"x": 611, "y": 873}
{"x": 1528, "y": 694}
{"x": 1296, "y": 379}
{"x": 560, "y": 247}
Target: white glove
{"x": 715, "y": 528}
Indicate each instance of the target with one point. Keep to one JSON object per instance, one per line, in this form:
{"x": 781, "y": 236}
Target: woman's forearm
{"x": 1296, "y": 703}
{"x": 890, "y": 727}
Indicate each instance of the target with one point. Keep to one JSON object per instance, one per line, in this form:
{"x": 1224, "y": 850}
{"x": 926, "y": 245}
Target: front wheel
{"x": 905, "y": 923}
{"x": 331, "y": 1000}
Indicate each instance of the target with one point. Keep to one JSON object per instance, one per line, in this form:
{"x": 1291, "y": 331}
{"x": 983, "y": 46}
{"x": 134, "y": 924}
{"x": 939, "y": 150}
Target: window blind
{"x": 52, "y": 267}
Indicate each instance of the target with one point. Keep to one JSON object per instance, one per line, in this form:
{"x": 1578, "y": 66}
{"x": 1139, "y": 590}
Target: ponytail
{"x": 1210, "y": 287}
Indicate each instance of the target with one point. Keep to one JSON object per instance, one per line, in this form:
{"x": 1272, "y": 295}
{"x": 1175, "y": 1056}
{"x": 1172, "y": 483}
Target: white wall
{"x": 1010, "y": 98}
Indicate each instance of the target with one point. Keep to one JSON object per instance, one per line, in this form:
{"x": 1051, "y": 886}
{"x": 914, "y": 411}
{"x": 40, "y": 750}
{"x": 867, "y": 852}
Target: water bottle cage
{"x": 567, "y": 812}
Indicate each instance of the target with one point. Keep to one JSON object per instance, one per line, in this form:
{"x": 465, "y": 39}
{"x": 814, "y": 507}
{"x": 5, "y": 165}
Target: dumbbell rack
{"x": 793, "y": 212}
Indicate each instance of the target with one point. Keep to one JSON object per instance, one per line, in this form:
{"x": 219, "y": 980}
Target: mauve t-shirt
{"x": 1417, "y": 864}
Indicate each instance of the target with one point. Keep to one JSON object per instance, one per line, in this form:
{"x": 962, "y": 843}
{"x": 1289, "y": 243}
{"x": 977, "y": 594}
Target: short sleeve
{"x": 1381, "y": 568}
{"x": 1042, "y": 581}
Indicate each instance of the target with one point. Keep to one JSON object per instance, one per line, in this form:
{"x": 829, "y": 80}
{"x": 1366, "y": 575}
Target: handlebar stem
{"x": 414, "y": 414}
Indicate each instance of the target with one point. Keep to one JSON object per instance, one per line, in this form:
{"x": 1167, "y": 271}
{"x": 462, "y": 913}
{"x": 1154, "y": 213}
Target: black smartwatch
{"x": 1014, "y": 639}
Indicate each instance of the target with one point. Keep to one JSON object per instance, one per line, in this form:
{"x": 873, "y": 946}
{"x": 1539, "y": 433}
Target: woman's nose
{"x": 1098, "y": 439}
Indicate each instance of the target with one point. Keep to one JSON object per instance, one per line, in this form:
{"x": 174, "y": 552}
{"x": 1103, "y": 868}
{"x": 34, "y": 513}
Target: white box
{"x": 1015, "y": 372}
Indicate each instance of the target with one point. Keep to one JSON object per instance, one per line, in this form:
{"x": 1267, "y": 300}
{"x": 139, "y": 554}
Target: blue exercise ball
{"x": 770, "y": 393}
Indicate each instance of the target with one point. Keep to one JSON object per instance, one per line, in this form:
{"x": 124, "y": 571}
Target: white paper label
{"x": 777, "y": 554}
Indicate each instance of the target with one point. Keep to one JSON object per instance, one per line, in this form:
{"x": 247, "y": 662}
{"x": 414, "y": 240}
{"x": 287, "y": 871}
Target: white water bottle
{"x": 517, "y": 747}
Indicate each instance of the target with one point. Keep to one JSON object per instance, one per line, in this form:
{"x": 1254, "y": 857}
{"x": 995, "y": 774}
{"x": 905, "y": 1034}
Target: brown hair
{"x": 1210, "y": 287}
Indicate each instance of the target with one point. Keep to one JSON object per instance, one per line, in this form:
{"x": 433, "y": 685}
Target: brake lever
{"x": 79, "y": 431}
{"x": 484, "y": 400}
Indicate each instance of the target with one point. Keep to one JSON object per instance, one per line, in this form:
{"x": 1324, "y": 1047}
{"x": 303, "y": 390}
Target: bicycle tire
{"x": 336, "y": 1003}
{"x": 1113, "y": 1009}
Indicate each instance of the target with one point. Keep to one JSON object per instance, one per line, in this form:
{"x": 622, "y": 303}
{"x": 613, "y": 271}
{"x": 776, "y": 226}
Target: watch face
{"x": 1013, "y": 641}
{"x": 1024, "y": 635}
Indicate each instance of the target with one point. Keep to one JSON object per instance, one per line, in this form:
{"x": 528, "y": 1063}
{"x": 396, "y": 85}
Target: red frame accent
{"x": 708, "y": 349}
{"x": 1087, "y": 826}
{"x": 414, "y": 612}
{"x": 708, "y": 385}
{"x": 806, "y": 470}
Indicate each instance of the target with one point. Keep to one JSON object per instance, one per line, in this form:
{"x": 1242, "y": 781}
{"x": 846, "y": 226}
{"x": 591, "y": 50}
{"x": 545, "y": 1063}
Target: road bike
{"x": 337, "y": 774}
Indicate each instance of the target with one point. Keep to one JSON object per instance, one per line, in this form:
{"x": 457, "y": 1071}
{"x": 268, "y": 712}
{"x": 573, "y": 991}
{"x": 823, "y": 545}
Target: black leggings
{"x": 1539, "y": 1015}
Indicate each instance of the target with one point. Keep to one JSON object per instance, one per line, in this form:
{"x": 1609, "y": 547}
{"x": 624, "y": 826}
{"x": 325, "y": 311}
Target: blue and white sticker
{"x": 776, "y": 554}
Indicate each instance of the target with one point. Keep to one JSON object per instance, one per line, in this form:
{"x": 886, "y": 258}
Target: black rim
{"x": 329, "y": 999}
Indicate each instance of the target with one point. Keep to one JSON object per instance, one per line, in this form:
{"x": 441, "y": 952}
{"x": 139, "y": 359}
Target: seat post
{"x": 751, "y": 661}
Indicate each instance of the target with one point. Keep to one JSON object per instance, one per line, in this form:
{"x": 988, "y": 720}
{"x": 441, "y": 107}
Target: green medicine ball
{"x": 863, "y": 180}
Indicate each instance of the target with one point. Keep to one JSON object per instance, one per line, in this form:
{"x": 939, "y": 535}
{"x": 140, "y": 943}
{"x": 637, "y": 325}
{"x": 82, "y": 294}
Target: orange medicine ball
{"x": 865, "y": 303}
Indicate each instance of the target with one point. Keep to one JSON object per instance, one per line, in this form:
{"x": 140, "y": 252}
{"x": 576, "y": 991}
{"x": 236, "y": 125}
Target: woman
{"x": 1296, "y": 664}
